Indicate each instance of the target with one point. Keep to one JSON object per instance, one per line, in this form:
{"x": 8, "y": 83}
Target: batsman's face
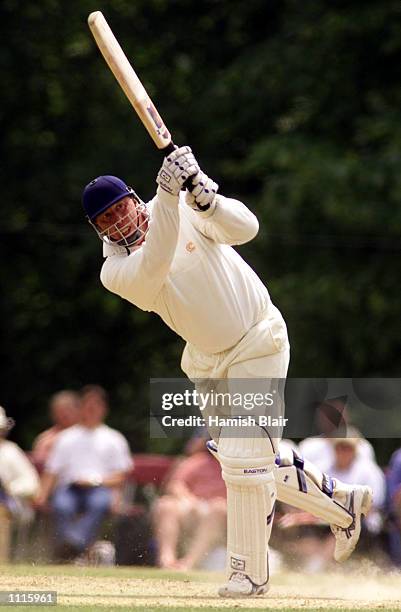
{"x": 122, "y": 220}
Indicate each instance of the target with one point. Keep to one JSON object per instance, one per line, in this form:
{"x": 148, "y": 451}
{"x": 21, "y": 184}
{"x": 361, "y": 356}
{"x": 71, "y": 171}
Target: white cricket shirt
{"x": 81, "y": 453}
{"x": 188, "y": 273}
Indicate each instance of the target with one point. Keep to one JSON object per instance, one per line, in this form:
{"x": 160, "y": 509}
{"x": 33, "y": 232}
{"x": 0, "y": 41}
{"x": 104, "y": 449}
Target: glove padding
{"x": 201, "y": 197}
{"x": 176, "y": 168}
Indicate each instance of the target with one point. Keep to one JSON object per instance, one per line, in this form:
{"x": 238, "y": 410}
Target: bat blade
{"x": 128, "y": 80}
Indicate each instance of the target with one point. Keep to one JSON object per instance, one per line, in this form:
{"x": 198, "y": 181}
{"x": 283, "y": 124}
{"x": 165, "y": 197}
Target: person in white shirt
{"x": 19, "y": 483}
{"x": 321, "y": 451}
{"x": 174, "y": 256}
{"x": 350, "y": 464}
{"x": 64, "y": 409}
{"x": 88, "y": 462}
{"x": 333, "y": 422}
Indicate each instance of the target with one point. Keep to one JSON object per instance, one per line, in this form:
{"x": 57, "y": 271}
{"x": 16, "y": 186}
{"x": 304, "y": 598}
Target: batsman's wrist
{"x": 191, "y": 202}
{"x": 208, "y": 212}
{"x": 166, "y": 198}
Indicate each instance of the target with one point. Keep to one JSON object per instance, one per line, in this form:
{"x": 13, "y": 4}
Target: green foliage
{"x": 293, "y": 107}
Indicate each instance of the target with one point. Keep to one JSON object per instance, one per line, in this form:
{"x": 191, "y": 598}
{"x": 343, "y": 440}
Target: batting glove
{"x": 176, "y": 168}
{"x": 202, "y": 195}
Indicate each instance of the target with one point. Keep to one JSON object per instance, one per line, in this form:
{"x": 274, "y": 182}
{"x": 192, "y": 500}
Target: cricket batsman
{"x": 174, "y": 256}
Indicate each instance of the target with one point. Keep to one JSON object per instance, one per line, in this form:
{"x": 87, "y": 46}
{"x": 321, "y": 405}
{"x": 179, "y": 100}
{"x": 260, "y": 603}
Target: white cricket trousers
{"x": 247, "y": 462}
{"x": 263, "y": 353}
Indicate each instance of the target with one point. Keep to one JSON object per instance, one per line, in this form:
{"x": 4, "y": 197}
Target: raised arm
{"x": 221, "y": 219}
{"x": 140, "y": 276}
{"x": 228, "y": 222}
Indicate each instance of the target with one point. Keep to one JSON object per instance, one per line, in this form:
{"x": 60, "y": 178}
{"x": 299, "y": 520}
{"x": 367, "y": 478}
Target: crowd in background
{"x": 79, "y": 475}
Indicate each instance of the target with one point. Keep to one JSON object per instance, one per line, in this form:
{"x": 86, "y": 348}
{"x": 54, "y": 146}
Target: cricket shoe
{"x": 358, "y": 504}
{"x": 240, "y": 585}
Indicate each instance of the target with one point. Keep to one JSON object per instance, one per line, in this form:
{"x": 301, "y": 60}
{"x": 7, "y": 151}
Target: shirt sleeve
{"x": 231, "y": 222}
{"x": 120, "y": 459}
{"x": 140, "y": 276}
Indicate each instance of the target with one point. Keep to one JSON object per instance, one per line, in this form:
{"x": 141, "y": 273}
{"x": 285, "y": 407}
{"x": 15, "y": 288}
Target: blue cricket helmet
{"x": 103, "y": 192}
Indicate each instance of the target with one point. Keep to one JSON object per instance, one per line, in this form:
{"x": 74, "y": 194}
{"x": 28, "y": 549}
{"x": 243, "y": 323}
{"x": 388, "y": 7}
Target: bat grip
{"x": 169, "y": 149}
{"x": 188, "y": 184}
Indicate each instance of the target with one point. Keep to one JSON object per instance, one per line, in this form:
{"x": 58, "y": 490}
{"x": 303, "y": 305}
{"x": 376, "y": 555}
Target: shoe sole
{"x": 231, "y": 595}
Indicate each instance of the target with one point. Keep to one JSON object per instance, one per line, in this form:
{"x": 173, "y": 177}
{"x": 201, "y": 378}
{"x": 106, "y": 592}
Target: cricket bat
{"x": 129, "y": 82}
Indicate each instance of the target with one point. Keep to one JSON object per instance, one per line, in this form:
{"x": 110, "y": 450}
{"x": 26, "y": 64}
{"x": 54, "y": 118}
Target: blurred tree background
{"x": 292, "y": 107}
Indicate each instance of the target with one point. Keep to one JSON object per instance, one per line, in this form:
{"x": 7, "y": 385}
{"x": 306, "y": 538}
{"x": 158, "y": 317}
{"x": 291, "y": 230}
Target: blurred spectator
{"x": 321, "y": 451}
{"x": 332, "y": 421}
{"x": 352, "y": 467}
{"x": 316, "y": 545}
{"x": 393, "y": 477}
{"x": 64, "y": 412}
{"x": 89, "y": 462}
{"x": 191, "y": 513}
{"x": 19, "y": 482}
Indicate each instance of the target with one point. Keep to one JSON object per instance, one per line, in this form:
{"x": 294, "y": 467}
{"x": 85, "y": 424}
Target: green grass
{"x": 162, "y": 608}
{"x": 82, "y": 589}
{"x": 148, "y": 573}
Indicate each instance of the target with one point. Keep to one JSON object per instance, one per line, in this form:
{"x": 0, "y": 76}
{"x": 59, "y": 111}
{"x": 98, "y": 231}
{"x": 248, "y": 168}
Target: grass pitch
{"x": 152, "y": 590}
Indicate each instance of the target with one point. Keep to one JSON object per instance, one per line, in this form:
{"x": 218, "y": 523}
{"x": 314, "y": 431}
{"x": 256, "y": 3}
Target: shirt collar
{"x": 113, "y": 249}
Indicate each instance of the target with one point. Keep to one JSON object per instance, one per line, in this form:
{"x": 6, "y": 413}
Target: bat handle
{"x": 188, "y": 184}
{"x": 169, "y": 149}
